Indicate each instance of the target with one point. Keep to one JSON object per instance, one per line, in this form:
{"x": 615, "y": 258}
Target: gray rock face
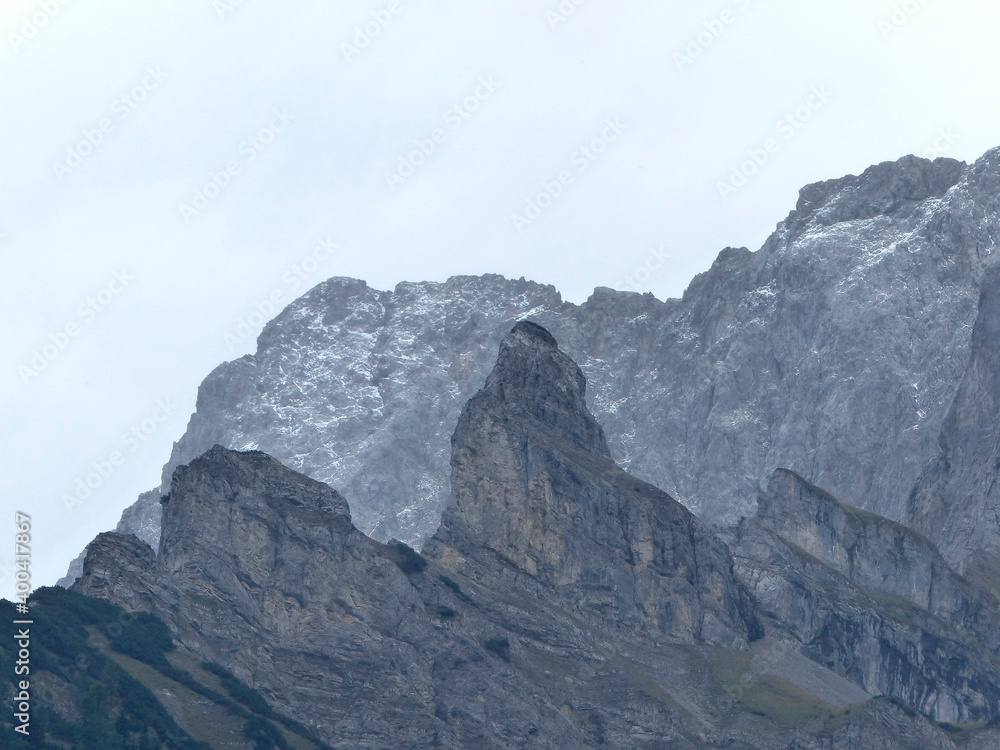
{"x": 533, "y": 485}
{"x": 872, "y": 600}
{"x": 361, "y": 389}
{"x": 137, "y": 521}
{"x": 142, "y": 520}
{"x": 564, "y": 602}
{"x": 957, "y": 499}
{"x": 876, "y": 553}
{"x": 76, "y": 566}
{"x": 375, "y": 646}
{"x": 835, "y": 351}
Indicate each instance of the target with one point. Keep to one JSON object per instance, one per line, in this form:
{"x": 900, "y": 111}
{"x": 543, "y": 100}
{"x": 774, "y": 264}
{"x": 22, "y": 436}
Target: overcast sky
{"x": 166, "y": 167}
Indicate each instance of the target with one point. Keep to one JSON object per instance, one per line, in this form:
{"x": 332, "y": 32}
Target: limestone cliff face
{"x": 957, "y": 499}
{"x": 260, "y": 569}
{"x": 877, "y": 553}
{"x": 533, "y": 485}
{"x": 834, "y": 350}
{"x": 561, "y": 639}
{"x": 857, "y": 347}
{"x": 562, "y": 604}
{"x": 873, "y": 600}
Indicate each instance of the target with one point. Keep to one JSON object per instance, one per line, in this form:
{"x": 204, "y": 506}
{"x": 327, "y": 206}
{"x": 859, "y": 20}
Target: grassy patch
{"x": 281, "y": 737}
{"x": 784, "y": 702}
{"x": 239, "y": 689}
{"x": 114, "y": 687}
{"x": 94, "y": 702}
{"x": 767, "y": 695}
{"x": 203, "y": 718}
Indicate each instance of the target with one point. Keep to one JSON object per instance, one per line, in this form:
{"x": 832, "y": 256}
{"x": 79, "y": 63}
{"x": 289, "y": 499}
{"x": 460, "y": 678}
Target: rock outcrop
{"x": 956, "y": 501}
{"x": 564, "y": 600}
{"x": 872, "y": 600}
{"x": 261, "y": 568}
{"x": 534, "y": 486}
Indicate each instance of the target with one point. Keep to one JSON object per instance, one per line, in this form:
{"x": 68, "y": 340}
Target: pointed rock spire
{"x": 535, "y": 380}
{"x": 534, "y": 489}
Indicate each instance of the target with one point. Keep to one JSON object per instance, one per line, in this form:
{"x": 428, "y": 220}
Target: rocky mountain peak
{"x": 535, "y": 490}
{"x": 858, "y": 348}
{"x": 535, "y": 379}
{"x": 526, "y": 333}
{"x": 836, "y": 350}
{"x": 221, "y": 501}
{"x": 881, "y": 189}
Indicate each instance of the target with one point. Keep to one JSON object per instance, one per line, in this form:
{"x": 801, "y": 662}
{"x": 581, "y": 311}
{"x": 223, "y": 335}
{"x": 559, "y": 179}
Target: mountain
{"x": 562, "y": 603}
{"x": 763, "y": 515}
{"x": 260, "y": 568}
{"x": 835, "y": 351}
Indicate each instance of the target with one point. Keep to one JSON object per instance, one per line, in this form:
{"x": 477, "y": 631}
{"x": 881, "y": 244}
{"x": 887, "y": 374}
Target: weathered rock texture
{"x": 872, "y": 600}
{"x": 957, "y": 500}
{"x": 534, "y": 486}
{"x": 835, "y": 351}
{"x": 495, "y": 639}
{"x": 877, "y": 553}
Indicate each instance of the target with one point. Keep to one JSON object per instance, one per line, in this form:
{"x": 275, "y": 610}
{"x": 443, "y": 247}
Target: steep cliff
{"x": 835, "y": 351}
{"x": 562, "y": 603}
{"x": 533, "y": 486}
{"x": 872, "y": 600}
{"x": 956, "y": 501}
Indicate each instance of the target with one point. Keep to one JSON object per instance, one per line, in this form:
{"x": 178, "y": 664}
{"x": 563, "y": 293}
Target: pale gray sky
{"x": 167, "y": 167}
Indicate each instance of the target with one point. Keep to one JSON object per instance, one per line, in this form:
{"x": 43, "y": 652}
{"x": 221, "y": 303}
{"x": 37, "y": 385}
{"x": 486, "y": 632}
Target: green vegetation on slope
{"x": 79, "y": 697}
{"x": 767, "y": 695}
{"x": 95, "y": 673}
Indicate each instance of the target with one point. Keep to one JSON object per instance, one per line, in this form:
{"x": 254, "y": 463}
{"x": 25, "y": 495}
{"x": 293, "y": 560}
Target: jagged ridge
{"x": 861, "y": 303}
